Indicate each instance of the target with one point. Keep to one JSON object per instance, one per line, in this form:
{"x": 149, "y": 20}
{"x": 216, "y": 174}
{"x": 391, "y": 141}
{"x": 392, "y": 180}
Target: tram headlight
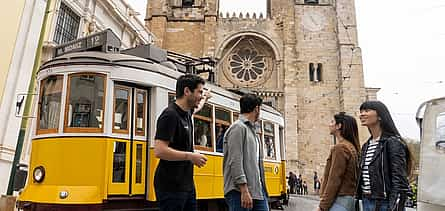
{"x": 38, "y": 174}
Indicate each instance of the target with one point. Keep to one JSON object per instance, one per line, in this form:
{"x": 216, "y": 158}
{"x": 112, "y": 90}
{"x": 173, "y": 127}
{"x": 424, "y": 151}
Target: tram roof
{"x": 95, "y": 57}
{"x": 421, "y": 110}
{"x": 124, "y": 60}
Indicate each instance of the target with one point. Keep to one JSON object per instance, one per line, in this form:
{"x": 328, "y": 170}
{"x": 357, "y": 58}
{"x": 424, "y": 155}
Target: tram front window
{"x": 85, "y": 105}
{"x": 51, "y": 93}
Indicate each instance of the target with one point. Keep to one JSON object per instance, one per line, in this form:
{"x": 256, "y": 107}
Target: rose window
{"x": 246, "y": 65}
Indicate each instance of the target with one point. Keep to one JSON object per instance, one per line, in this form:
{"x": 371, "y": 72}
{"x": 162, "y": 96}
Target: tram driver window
{"x": 269, "y": 141}
{"x": 85, "y": 104}
{"x": 49, "y": 104}
{"x": 203, "y": 128}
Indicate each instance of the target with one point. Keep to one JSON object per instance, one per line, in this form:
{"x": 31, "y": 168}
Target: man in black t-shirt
{"x": 173, "y": 182}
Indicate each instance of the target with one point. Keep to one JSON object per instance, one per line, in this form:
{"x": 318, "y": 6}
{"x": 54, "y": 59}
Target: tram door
{"x": 129, "y": 155}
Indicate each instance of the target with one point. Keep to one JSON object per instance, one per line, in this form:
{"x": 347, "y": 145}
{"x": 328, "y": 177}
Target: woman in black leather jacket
{"x": 385, "y": 162}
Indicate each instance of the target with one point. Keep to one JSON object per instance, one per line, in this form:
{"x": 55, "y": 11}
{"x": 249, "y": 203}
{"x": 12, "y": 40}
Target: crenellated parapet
{"x": 243, "y": 16}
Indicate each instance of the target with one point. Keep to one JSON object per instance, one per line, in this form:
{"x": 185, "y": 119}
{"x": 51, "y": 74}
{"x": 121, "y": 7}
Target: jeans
{"x": 233, "y": 200}
{"x": 343, "y": 203}
{"x": 370, "y": 204}
{"x": 177, "y": 201}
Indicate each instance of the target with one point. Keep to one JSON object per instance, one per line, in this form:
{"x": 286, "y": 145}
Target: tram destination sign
{"x": 105, "y": 41}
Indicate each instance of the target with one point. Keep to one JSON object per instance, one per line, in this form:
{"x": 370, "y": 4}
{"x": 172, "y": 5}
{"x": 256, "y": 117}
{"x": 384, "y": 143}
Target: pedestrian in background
{"x": 315, "y": 180}
{"x": 386, "y": 161}
{"x": 317, "y": 187}
{"x": 341, "y": 172}
{"x": 173, "y": 181}
{"x": 244, "y": 184}
{"x": 299, "y": 185}
{"x": 292, "y": 181}
{"x": 305, "y": 188}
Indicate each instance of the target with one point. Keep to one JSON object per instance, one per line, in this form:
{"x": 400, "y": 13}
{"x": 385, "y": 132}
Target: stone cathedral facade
{"x": 302, "y": 56}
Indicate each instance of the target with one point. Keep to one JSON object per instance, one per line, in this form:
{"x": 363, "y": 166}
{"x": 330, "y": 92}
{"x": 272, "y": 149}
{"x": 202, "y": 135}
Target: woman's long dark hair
{"x": 388, "y": 127}
{"x": 349, "y": 129}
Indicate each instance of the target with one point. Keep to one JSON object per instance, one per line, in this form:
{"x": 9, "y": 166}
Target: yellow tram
{"x": 92, "y": 145}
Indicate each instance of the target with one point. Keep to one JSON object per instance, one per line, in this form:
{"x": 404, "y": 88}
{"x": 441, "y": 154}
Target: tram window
{"x": 203, "y": 128}
{"x": 235, "y": 116}
{"x": 139, "y": 163}
{"x": 222, "y": 114}
{"x": 282, "y": 145}
{"x": 222, "y": 119}
{"x": 121, "y": 109}
{"x": 49, "y": 106}
{"x": 269, "y": 141}
{"x": 141, "y": 102}
{"x": 440, "y": 132}
{"x": 119, "y": 162}
{"x": 259, "y": 129}
{"x": 85, "y": 104}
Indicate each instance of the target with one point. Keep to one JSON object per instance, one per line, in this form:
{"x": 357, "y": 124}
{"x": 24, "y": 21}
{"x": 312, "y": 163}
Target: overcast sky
{"x": 403, "y": 47}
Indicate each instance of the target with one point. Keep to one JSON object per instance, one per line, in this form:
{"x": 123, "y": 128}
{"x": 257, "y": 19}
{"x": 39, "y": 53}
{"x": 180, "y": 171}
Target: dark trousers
{"x": 378, "y": 205}
{"x": 292, "y": 188}
{"x": 177, "y": 201}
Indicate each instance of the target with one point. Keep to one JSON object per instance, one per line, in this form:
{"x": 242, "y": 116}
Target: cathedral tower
{"x": 185, "y": 26}
{"x": 302, "y": 57}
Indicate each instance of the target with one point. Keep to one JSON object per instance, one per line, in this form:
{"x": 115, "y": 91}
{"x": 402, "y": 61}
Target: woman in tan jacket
{"x": 340, "y": 174}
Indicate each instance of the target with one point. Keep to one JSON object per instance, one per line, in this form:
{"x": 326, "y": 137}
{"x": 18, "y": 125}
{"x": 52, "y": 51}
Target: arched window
{"x": 311, "y": 72}
{"x": 319, "y": 71}
{"x": 315, "y": 73}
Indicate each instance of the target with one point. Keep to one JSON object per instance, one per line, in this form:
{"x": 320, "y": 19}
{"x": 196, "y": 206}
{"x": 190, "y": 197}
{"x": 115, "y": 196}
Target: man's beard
{"x": 191, "y": 102}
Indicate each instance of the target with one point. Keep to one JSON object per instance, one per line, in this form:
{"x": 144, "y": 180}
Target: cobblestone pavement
{"x": 307, "y": 203}
{"x": 302, "y": 203}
